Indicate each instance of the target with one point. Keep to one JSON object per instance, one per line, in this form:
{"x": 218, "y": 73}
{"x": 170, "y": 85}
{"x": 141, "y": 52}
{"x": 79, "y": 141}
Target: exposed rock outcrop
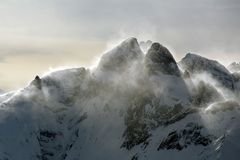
{"x": 160, "y": 60}
{"x": 191, "y": 135}
{"x": 37, "y": 82}
{"x": 196, "y": 64}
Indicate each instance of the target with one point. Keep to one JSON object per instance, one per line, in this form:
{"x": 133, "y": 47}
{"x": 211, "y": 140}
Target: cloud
{"x": 47, "y": 27}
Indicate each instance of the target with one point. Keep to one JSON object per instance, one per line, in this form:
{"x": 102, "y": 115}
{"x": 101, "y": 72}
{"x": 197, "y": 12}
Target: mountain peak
{"x": 197, "y": 62}
{"x": 131, "y": 114}
{"x": 37, "y": 82}
{"x": 131, "y": 42}
{"x": 196, "y": 56}
{"x": 159, "y": 59}
{"x": 194, "y": 63}
{"x": 119, "y": 57}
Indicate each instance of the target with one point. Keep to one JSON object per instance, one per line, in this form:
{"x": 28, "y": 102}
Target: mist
{"x": 57, "y": 33}
{"x": 135, "y": 97}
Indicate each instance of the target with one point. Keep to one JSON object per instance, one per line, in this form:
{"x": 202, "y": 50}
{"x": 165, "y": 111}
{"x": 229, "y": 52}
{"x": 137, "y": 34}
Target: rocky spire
{"x": 37, "y": 82}
{"x": 160, "y": 60}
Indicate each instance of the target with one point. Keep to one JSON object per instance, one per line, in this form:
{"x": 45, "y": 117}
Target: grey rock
{"x": 196, "y": 64}
{"x": 160, "y": 60}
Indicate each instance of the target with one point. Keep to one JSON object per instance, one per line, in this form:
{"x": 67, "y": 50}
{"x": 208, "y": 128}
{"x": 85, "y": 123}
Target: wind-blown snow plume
{"x": 133, "y": 105}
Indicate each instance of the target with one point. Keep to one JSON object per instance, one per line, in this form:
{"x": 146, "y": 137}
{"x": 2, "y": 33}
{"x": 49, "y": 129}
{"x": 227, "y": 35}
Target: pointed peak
{"x": 159, "y": 59}
{"x": 161, "y": 50}
{"x": 130, "y": 44}
{"x": 131, "y": 41}
{"x": 196, "y": 64}
{"x": 121, "y": 55}
{"x": 156, "y": 46}
{"x": 200, "y": 60}
{"x": 37, "y": 77}
{"x": 37, "y": 82}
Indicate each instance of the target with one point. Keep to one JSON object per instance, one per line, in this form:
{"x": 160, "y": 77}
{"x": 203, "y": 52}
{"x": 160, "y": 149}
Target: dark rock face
{"x": 197, "y": 64}
{"x": 46, "y": 141}
{"x": 137, "y": 131}
{"x": 37, "y": 82}
{"x": 136, "y": 134}
{"x": 181, "y": 139}
{"x": 160, "y": 60}
{"x": 146, "y": 114}
{"x": 135, "y": 157}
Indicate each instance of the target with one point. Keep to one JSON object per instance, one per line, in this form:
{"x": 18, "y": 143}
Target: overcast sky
{"x": 38, "y": 34}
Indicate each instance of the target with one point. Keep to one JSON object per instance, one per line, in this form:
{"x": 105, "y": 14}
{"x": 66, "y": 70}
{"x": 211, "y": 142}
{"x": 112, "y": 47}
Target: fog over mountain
{"x": 51, "y": 33}
{"x": 138, "y": 103}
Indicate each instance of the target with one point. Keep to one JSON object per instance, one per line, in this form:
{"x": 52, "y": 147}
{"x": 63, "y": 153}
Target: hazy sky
{"x": 36, "y": 35}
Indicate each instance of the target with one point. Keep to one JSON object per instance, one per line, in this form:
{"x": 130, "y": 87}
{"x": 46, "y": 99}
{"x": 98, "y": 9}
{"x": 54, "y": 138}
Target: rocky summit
{"x": 159, "y": 59}
{"x": 196, "y": 64}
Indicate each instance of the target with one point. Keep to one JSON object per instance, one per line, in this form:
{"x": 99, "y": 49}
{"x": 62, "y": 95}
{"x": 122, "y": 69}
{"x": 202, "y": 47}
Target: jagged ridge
{"x": 132, "y": 106}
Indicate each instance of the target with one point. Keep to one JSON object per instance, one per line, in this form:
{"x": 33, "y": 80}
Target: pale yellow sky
{"x": 28, "y": 56}
{"x": 18, "y": 69}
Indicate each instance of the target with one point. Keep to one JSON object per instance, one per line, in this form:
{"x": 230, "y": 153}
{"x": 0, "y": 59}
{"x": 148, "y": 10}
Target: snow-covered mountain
{"x": 196, "y": 64}
{"x": 132, "y": 106}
